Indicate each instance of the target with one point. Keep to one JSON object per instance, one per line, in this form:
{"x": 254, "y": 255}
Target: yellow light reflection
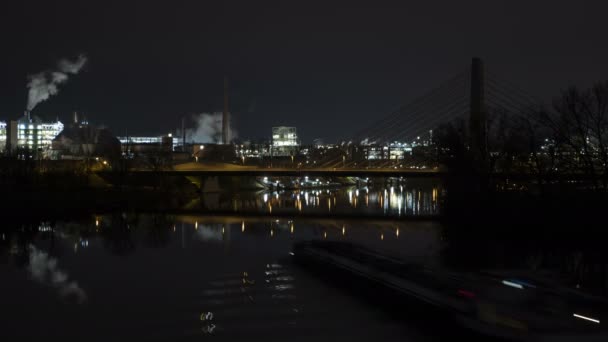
{"x": 196, "y": 225}
{"x": 325, "y": 235}
{"x": 382, "y": 236}
{"x": 397, "y": 232}
{"x": 242, "y": 226}
{"x": 343, "y": 230}
{"x": 291, "y": 228}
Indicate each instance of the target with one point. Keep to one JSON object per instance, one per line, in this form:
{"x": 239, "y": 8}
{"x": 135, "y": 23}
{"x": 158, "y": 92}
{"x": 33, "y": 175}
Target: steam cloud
{"x": 44, "y": 270}
{"x": 45, "y": 84}
{"x": 208, "y": 129}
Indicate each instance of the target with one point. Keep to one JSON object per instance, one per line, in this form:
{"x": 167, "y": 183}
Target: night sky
{"x": 329, "y": 68}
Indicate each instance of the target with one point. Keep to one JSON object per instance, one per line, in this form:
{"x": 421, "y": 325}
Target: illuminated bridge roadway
{"x": 290, "y": 172}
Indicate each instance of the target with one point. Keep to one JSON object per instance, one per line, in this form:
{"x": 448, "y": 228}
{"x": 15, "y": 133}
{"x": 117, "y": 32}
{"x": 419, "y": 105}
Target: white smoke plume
{"x": 208, "y": 129}
{"x": 44, "y": 270}
{"x": 45, "y": 84}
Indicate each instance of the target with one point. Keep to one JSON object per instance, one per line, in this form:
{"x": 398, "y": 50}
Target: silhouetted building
{"x": 214, "y": 152}
{"x": 83, "y": 140}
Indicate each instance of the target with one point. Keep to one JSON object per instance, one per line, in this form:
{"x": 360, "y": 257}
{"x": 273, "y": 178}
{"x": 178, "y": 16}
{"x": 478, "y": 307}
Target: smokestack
{"x": 75, "y": 118}
{"x": 183, "y": 134}
{"x": 226, "y": 115}
{"x": 27, "y": 116}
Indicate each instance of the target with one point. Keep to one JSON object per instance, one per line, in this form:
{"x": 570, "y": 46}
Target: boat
{"x": 501, "y": 304}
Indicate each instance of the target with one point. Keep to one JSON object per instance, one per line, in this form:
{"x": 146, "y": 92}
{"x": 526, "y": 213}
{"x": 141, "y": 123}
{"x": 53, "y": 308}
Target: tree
{"x": 579, "y": 126}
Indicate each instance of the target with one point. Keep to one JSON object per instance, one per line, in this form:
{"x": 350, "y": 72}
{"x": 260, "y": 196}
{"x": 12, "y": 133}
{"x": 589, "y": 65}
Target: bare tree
{"x": 579, "y": 126}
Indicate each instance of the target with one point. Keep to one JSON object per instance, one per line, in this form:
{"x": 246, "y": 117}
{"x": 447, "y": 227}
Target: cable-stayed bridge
{"x": 465, "y": 99}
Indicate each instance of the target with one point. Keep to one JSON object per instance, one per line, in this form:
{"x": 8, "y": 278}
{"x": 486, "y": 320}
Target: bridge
{"x": 465, "y": 100}
{"x": 290, "y": 172}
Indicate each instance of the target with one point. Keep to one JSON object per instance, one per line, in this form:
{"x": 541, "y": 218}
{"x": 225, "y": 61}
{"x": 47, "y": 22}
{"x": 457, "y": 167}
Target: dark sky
{"x": 329, "y": 68}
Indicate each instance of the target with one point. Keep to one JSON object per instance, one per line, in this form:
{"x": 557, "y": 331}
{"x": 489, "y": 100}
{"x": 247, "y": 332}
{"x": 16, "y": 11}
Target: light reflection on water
{"x": 399, "y": 200}
{"x": 183, "y": 277}
{"x": 173, "y": 277}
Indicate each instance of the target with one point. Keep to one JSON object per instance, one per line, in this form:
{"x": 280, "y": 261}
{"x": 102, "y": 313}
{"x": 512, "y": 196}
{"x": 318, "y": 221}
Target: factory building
{"x": 81, "y": 140}
{"x": 151, "y": 144}
{"x": 284, "y": 142}
{"x": 28, "y": 134}
{"x": 392, "y": 151}
{"x": 2, "y": 135}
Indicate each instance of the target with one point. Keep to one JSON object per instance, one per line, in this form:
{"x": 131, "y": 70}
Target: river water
{"x": 203, "y": 276}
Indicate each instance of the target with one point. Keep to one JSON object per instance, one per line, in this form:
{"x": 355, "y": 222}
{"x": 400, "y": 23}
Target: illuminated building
{"x": 2, "y": 135}
{"x": 31, "y": 134}
{"x": 135, "y": 144}
{"x": 394, "y": 151}
{"x": 284, "y": 141}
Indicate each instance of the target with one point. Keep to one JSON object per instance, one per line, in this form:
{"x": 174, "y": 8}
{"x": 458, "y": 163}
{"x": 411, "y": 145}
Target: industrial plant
{"x": 28, "y": 134}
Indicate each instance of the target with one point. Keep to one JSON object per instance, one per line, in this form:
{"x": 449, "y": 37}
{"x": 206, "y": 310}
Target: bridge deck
{"x": 262, "y": 172}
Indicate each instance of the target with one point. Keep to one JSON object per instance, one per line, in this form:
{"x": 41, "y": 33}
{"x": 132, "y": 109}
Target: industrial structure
{"x": 284, "y": 142}
{"x": 142, "y": 144}
{"x": 28, "y": 134}
{"x": 82, "y": 140}
{"x": 226, "y": 138}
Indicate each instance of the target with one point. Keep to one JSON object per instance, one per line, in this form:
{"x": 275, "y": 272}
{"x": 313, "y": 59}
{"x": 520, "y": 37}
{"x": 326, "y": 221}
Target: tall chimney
{"x": 183, "y": 134}
{"x": 75, "y": 118}
{"x": 226, "y": 115}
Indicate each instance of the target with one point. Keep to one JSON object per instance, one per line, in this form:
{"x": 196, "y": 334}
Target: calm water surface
{"x": 168, "y": 277}
{"x": 219, "y": 269}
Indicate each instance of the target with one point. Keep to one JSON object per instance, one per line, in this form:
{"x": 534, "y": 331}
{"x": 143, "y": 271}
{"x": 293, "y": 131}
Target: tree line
{"x": 567, "y": 138}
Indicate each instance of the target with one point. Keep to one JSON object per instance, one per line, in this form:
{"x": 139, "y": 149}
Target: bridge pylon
{"x": 477, "y": 118}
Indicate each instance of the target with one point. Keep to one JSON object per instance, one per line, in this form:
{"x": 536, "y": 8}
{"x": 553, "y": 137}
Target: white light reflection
{"x": 512, "y": 284}
{"x": 587, "y": 318}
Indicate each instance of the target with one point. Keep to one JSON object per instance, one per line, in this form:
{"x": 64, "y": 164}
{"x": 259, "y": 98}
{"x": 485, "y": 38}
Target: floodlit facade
{"x": 284, "y": 141}
{"x": 394, "y": 151}
{"x": 2, "y": 135}
{"x": 36, "y": 135}
{"x": 149, "y": 140}
{"x": 32, "y": 134}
